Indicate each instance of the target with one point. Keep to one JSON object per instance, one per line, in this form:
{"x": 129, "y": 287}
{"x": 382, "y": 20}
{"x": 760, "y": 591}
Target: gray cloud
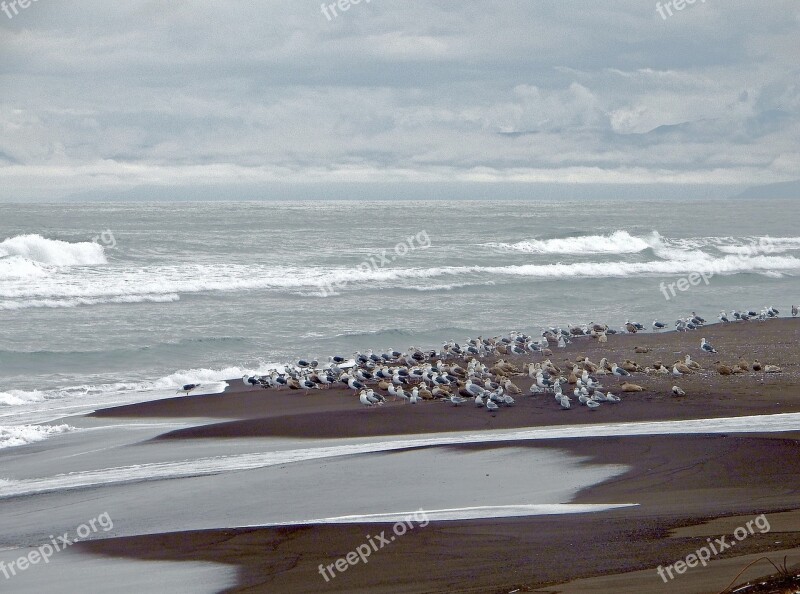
{"x": 183, "y": 93}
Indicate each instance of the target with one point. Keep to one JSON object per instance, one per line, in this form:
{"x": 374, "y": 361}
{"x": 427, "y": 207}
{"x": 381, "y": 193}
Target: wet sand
{"x": 675, "y": 484}
{"x": 678, "y": 481}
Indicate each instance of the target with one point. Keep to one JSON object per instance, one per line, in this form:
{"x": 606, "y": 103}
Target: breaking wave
{"x": 618, "y": 242}
{"x": 35, "y": 248}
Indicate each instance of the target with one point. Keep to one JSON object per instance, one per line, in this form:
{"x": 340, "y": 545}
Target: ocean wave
{"x": 128, "y": 283}
{"x": 25, "y": 434}
{"x": 726, "y": 265}
{"x": 14, "y": 304}
{"x": 760, "y": 245}
{"x": 213, "y": 380}
{"x": 17, "y": 268}
{"x": 165, "y": 284}
{"x": 622, "y": 242}
{"x": 36, "y": 248}
{"x": 618, "y": 242}
{"x": 449, "y": 286}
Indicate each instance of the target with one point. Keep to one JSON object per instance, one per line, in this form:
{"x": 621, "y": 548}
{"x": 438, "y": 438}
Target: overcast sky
{"x": 97, "y": 95}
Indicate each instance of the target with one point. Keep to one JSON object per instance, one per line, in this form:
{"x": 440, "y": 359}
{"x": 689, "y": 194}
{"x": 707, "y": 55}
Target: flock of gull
{"x": 479, "y": 373}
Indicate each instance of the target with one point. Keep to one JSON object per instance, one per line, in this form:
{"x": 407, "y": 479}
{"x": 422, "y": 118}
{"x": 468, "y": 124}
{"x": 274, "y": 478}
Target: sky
{"x": 100, "y": 97}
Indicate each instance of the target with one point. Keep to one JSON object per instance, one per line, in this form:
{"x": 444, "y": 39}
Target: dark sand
{"x": 678, "y": 481}
{"x": 337, "y": 413}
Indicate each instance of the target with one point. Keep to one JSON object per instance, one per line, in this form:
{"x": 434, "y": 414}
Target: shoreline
{"x": 673, "y": 488}
{"x": 678, "y": 481}
{"x": 246, "y": 412}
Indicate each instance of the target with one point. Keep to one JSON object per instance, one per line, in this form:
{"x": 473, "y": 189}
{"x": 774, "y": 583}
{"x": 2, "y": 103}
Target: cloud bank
{"x": 197, "y": 92}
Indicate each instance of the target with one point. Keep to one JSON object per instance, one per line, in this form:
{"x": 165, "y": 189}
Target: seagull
{"x": 707, "y": 347}
{"x": 592, "y": 404}
{"x": 794, "y": 311}
{"x": 658, "y": 325}
{"x": 491, "y": 406}
{"x": 723, "y": 317}
{"x": 479, "y": 401}
{"x": 564, "y": 402}
{"x": 456, "y": 400}
{"x": 364, "y": 399}
{"x": 473, "y": 389}
{"x": 618, "y": 371}
{"x": 354, "y": 384}
{"x": 401, "y": 393}
{"x": 677, "y": 391}
{"x": 188, "y": 388}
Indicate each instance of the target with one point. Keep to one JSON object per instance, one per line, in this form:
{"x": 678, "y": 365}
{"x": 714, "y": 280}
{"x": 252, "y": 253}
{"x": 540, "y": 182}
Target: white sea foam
{"x": 17, "y": 267}
{"x": 35, "y": 284}
{"x": 25, "y": 434}
{"x": 13, "y": 304}
{"x": 618, "y": 242}
{"x": 622, "y": 242}
{"x": 212, "y": 380}
{"x": 167, "y": 283}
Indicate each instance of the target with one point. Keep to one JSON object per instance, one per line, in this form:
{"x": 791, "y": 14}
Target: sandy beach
{"x": 400, "y": 297}
{"x": 685, "y": 488}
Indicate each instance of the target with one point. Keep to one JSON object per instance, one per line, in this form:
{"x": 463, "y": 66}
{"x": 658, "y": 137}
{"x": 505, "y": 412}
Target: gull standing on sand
{"x": 354, "y": 384}
{"x": 707, "y": 347}
{"x": 618, "y": 371}
{"x": 794, "y": 311}
{"x": 723, "y": 317}
{"x": 658, "y": 325}
{"x": 401, "y": 394}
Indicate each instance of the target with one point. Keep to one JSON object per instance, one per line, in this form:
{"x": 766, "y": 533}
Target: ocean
{"x": 103, "y": 303}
